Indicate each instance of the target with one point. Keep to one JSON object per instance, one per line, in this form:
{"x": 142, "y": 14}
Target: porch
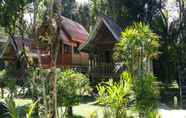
{"x": 101, "y": 71}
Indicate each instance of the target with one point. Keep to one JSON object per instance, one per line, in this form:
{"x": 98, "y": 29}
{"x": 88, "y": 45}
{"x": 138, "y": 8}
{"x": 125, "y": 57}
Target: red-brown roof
{"x": 75, "y": 30}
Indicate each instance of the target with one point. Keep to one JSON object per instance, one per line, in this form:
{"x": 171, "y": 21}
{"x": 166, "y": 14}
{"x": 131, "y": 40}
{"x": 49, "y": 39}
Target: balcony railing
{"x": 98, "y": 71}
{"x": 104, "y": 71}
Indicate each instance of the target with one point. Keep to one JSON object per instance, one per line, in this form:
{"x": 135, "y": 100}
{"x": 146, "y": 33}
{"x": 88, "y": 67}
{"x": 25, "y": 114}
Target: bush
{"x": 10, "y": 110}
{"x": 116, "y": 96}
{"x": 147, "y": 95}
{"x": 136, "y": 50}
{"x": 71, "y": 86}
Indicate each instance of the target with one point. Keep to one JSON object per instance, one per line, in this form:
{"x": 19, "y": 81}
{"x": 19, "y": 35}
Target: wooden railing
{"x": 102, "y": 70}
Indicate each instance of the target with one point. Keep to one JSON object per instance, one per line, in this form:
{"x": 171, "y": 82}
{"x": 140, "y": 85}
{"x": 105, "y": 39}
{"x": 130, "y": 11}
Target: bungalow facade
{"x": 100, "y": 46}
{"x": 72, "y": 35}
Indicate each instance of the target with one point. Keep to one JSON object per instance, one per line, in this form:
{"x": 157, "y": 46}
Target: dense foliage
{"x": 117, "y": 97}
{"x": 147, "y": 95}
{"x": 10, "y": 13}
{"x": 9, "y": 109}
{"x": 76, "y": 85}
{"x": 71, "y": 86}
{"x": 137, "y": 47}
{"x": 125, "y": 12}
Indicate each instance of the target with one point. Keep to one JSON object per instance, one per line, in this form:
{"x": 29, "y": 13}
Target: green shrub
{"x": 136, "y": 50}
{"x": 147, "y": 95}
{"x": 116, "y": 96}
{"x": 12, "y": 110}
{"x": 71, "y": 86}
{"x": 154, "y": 114}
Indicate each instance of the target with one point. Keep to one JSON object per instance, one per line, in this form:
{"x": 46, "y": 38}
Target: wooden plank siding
{"x": 64, "y": 59}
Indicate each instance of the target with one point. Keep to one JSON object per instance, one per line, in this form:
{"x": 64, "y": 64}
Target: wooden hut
{"x": 72, "y": 35}
{"x": 100, "y": 48}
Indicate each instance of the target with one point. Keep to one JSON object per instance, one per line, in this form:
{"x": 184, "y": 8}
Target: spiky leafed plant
{"x": 117, "y": 97}
{"x": 9, "y": 109}
{"x": 136, "y": 49}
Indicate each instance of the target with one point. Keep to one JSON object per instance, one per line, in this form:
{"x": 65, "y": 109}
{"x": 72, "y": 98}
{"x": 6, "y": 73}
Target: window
{"x": 76, "y": 51}
{"x": 67, "y": 49}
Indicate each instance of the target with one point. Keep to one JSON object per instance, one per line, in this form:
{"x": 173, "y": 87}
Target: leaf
{"x": 31, "y": 108}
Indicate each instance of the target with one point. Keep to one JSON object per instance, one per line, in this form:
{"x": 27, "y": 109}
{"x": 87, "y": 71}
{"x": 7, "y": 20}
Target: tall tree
{"x": 69, "y": 9}
{"x": 154, "y": 13}
{"x": 50, "y": 31}
{"x": 125, "y": 12}
{"x": 169, "y": 28}
{"x": 77, "y": 12}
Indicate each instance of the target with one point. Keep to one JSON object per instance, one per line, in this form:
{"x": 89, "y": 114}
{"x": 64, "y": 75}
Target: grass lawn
{"x": 84, "y": 110}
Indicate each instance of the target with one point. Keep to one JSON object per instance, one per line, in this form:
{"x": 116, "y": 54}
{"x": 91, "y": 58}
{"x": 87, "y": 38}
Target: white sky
{"x": 82, "y": 1}
{"x": 173, "y": 10}
{"x": 171, "y": 7}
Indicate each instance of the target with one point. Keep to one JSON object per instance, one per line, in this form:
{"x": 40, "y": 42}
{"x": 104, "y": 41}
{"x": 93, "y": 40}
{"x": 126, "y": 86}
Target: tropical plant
{"x": 71, "y": 86}
{"x": 4, "y": 110}
{"x": 39, "y": 89}
{"x": 116, "y": 96}
{"x": 147, "y": 95}
{"x": 10, "y": 109}
{"x": 136, "y": 49}
{"x": 171, "y": 30}
{"x": 3, "y": 77}
{"x": 12, "y": 70}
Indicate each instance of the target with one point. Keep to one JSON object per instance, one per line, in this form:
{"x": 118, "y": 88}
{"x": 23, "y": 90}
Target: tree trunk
{"x": 44, "y": 97}
{"x": 69, "y": 112}
{"x": 2, "y": 93}
{"x": 54, "y": 93}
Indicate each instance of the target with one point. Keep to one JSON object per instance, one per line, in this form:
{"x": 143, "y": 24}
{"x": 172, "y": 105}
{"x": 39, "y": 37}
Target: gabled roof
{"x": 70, "y": 31}
{"x": 18, "y": 45}
{"x": 74, "y": 30}
{"x": 111, "y": 26}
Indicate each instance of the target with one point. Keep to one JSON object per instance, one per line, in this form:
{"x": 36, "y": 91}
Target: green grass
{"x": 85, "y": 109}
